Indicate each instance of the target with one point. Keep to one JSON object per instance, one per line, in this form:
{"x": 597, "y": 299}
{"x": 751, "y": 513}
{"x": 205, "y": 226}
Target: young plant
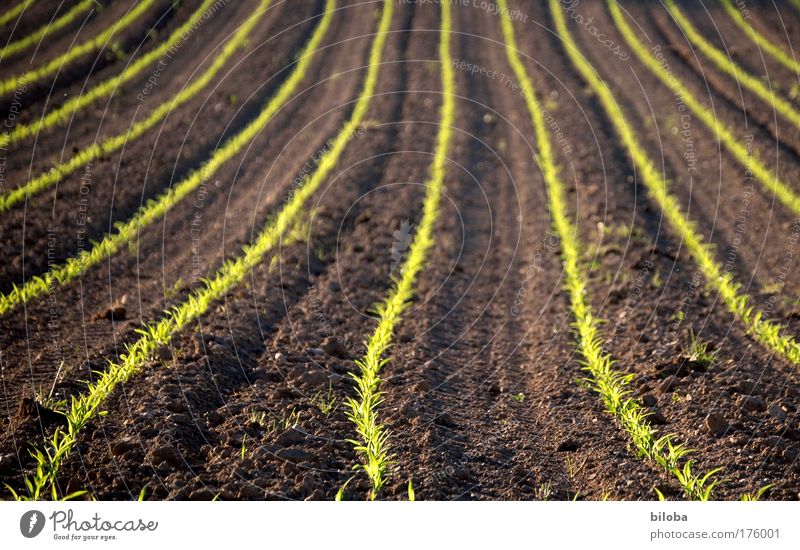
{"x": 755, "y": 497}
{"x": 697, "y": 351}
{"x": 325, "y": 402}
{"x": 544, "y": 491}
{"x": 340, "y": 493}
{"x": 696, "y": 487}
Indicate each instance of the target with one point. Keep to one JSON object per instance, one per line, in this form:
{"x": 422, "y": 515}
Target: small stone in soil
{"x": 291, "y": 437}
{"x": 411, "y": 409}
{"x": 568, "y": 446}
{"x": 747, "y": 387}
{"x": 777, "y": 412}
{"x": 315, "y": 377}
{"x": 117, "y": 312}
{"x": 667, "y": 385}
{"x": 649, "y": 400}
{"x": 168, "y": 454}
{"x": 178, "y": 418}
{"x": 123, "y": 446}
{"x": 292, "y": 455}
{"x": 656, "y": 416}
{"x": 164, "y": 353}
{"x": 716, "y": 423}
{"x": 249, "y": 490}
{"x": 422, "y": 386}
{"x": 752, "y": 404}
{"x": 7, "y": 463}
{"x": 335, "y": 348}
{"x": 791, "y": 454}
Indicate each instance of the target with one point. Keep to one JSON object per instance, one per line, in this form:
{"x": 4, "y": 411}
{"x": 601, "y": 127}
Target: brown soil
{"x": 482, "y": 398}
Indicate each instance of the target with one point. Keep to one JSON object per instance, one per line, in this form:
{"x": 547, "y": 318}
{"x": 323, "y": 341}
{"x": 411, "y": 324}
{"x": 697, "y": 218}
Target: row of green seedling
{"x": 725, "y": 64}
{"x": 111, "y": 144}
{"x": 114, "y": 143}
{"x": 372, "y": 442}
{"x": 746, "y": 157}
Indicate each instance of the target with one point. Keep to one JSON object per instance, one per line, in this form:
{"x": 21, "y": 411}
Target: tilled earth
{"x": 483, "y": 396}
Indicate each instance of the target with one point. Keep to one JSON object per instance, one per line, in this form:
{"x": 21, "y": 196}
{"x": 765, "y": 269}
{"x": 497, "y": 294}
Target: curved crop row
{"x": 43, "y": 31}
{"x": 14, "y": 11}
{"x": 157, "y": 334}
{"x": 609, "y": 383}
{"x": 96, "y": 43}
{"x": 765, "y": 331}
{"x": 724, "y": 135}
{"x": 763, "y": 42}
{"x": 724, "y": 63}
{"x": 63, "y": 114}
{"x": 155, "y": 208}
{"x": 91, "y": 153}
{"x": 373, "y": 439}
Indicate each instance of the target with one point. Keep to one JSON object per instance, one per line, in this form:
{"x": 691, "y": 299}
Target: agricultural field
{"x": 399, "y": 250}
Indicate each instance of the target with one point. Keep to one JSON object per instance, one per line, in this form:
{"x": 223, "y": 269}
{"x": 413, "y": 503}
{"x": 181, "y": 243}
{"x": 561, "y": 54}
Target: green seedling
{"x": 697, "y": 351}
{"x": 755, "y": 497}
